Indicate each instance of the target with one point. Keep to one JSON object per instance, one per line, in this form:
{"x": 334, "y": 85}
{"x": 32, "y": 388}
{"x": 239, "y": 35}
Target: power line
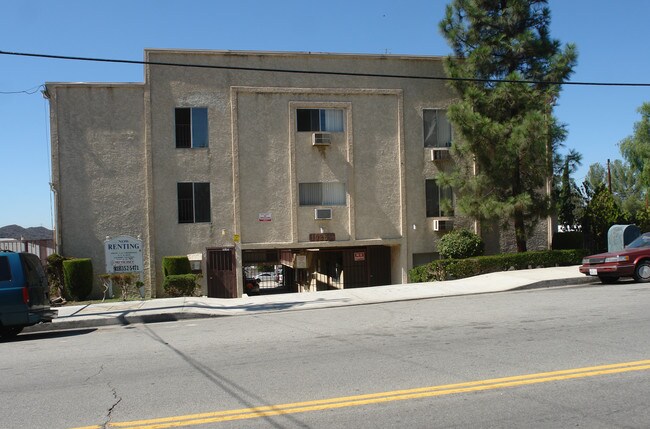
{"x": 29, "y": 91}
{"x": 319, "y": 72}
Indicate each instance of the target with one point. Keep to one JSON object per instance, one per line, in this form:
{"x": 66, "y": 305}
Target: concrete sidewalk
{"x": 171, "y": 309}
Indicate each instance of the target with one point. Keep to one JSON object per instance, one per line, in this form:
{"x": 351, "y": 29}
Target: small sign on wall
{"x": 324, "y": 236}
{"x": 359, "y": 256}
{"x": 265, "y": 217}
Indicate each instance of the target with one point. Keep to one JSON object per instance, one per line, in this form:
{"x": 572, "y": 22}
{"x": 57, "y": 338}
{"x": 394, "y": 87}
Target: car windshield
{"x": 641, "y": 241}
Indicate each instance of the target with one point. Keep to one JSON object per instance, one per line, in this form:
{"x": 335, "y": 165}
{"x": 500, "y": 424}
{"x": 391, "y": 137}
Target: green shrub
{"x": 180, "y": 285}
{"x": 55, "y": 277}
{"x": 175, "y": 265}
{"x": 460, "y": 244}
{"x": 568, "y": 240}
{"x": 78, "y": 275}
{"x": 449, "y": 269}
{"x": 125, "y": 281}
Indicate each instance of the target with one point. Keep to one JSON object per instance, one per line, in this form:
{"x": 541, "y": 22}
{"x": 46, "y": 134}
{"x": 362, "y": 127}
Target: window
{"x": 191, "y": 127}
{"x": 437, "y": 129}
{"x": 328, "y": 120}
{"x": 5, "y": 272}
{"x": 193, "y": 202}
{"x": 438, "y": 199}
{"x": 322, "y": 194}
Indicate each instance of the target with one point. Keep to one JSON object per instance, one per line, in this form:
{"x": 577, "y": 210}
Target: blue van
{"x": 24, "y": 293}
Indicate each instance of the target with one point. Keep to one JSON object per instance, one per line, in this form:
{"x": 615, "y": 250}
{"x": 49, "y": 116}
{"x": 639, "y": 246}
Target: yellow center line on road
{"x": 376, "y": 398}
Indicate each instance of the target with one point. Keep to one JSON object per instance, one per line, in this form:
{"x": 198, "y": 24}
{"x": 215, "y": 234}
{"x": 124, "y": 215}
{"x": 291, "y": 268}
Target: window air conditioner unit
{"x": 443, "y": 225}
{"x": 440, "y": 154}
{"x": 320, "y": 214}
{"x": 321, "y": 139}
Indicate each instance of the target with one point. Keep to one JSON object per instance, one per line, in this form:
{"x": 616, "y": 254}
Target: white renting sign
{"x": 123, "y": 255}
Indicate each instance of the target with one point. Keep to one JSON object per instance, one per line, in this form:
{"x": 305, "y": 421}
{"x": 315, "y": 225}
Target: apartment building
{"x": 322, "y": 165}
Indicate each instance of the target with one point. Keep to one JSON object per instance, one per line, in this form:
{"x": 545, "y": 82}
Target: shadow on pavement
{"x": 31, "y": 336}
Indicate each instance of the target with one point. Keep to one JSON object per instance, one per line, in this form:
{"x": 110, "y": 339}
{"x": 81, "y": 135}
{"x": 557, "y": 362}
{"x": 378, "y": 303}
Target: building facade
{"x": 321, "y": 164}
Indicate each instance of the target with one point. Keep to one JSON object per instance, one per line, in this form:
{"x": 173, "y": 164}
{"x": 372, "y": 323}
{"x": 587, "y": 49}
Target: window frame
{"x": 198, "y": 128}
{"x": 324, "y": 200}
{"x": 425, "y": 130}
{"x": 441, "y": 194}
{"x": 317, "y": 120}
{"x": 199, "y": 209}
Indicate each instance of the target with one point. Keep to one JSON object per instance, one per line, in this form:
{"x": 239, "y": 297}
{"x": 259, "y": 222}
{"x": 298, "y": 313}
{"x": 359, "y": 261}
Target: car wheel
{"x": 10, "y": 331}
{"x": 642, "y": 272}
{"x": 608, "y": 280}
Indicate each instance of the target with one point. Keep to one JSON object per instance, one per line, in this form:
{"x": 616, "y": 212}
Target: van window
{"x": 5, "y": 272}
{"x": 31, "y": 265}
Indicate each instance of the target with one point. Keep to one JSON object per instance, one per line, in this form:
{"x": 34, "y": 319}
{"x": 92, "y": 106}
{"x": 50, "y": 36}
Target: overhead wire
{"x": 318, "y": 72}
{"x": 29, "y": 91}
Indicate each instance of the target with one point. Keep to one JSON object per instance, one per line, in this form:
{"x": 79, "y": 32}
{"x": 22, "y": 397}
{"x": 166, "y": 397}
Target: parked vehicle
{"x": 24, "y": 293}
{"x": 265, "y": 277}
{"x": 633, "y": 261}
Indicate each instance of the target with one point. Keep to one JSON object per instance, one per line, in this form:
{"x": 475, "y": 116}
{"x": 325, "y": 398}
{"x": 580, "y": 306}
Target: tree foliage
{"x": 569, "y": 198}
{"x": 460, "y": 244}
{"x": 505, "y": 70}
{"x": 601, "y": 213}
{"x": 636, "y": 148}
{"x": 625, "y": 187}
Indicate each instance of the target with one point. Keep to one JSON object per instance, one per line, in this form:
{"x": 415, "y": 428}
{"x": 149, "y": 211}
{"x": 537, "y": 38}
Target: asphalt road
{"x": 538, "y": 358}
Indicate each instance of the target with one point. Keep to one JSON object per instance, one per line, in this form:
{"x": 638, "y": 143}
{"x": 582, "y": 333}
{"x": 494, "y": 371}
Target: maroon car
{"x": 633, "y": 261}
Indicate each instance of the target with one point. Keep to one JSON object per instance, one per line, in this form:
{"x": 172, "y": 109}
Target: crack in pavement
{"x": 109, "y": 416}
{"x": 101, "y": 368}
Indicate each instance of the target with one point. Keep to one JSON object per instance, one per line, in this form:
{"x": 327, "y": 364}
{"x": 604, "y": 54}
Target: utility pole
{"x": 609, "y": 177}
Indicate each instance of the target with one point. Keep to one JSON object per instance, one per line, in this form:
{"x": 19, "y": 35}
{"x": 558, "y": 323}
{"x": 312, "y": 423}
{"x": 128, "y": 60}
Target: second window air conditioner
{"x": 321, "y": 139}
{"x": 320, "y": 214}
{"x": 443, "y": 225}
{"x": 440, "y": 154}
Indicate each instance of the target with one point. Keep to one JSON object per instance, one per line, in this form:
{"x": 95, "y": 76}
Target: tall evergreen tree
{"x": 506, "y": 70}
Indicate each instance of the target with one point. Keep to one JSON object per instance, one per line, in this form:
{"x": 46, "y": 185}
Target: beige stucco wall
{"x": 117, "y": 166}
{"x": 97, "y": 166}
{"x": 255, "y": 159}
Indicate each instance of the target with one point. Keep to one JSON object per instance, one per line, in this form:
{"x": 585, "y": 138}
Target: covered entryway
{"x": 315, "y": 269}
{"x": 222, "y": 278}
{"x": 335, "y": 268}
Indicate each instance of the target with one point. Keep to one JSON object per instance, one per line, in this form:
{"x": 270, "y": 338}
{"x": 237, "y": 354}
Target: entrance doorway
{"x": 222, "y": 278}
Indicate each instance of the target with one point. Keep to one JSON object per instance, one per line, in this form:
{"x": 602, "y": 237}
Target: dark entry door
{"x": 222, "y": 280}
{"x": 379, "y": 266}
{"x": 355, "y": 268}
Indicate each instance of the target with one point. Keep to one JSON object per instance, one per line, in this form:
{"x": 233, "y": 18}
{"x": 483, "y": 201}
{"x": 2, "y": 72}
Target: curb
{"x": 172, "y": 316}
{"x": 586, "y": 280}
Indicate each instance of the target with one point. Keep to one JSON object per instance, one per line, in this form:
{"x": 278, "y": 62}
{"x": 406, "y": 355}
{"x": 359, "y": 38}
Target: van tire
{"x": 10, "y": 332}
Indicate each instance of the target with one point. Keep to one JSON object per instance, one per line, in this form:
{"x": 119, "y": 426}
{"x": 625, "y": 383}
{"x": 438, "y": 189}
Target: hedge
{"x": 176, "y": 265}
{"x": 78, "y": 277}
{"x": 450, "y": 269}
{"x": 180, "y": 285}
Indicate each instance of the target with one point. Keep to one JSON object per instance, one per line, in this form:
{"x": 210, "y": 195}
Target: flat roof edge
{"x": 175, "y": 51}
{"x": 96, "y": 84}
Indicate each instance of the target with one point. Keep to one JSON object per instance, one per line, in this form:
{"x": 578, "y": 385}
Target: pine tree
{"x": 506, "y": 71}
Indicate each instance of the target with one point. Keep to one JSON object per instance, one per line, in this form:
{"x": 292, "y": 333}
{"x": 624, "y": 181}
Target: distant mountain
{"x": 34, "y": 233}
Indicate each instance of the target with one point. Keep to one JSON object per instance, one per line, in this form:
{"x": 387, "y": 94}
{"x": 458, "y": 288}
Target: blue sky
{"x": 611, "y": 38}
